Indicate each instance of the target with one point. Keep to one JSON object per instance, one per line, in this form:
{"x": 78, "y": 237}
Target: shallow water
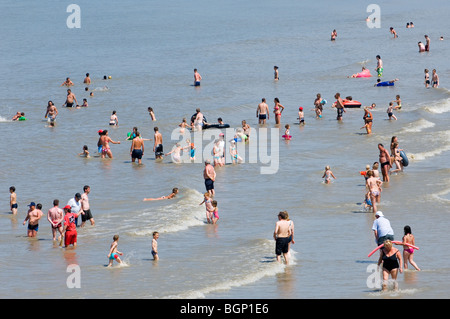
{"x": 150, "y": 51}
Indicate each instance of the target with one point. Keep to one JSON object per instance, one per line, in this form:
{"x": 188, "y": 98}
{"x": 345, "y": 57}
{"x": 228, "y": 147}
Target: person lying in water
{"x": 172, "y": 195}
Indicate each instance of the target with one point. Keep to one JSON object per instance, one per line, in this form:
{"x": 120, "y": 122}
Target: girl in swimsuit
{"x": 217, "y": 155}
{"x": 373, "y": 185}
{"x": 327, "y": 175}
{"x": 408, "y": 252}
{"x": 392, "y": 262}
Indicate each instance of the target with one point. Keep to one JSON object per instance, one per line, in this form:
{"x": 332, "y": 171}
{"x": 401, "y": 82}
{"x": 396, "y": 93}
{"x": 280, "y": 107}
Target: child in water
{"x": 215, "y": 216}
{"x": 113, "y": 252}
{"x": 286, "y": 135}
{"x": 208, "y": 206}
{"x": 155, "y": 245}
{"x": 85, "y": 152}
{"x": 399, "y": 102}
{"x": 301, "y": 116}
{"x": 390, "y": 111}
{"x": 408, "y": 252}
{"x": 327, "y": 174}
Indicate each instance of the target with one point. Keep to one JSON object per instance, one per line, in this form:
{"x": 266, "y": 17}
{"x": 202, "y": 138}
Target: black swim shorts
{"x": 209, "y": 184}
{"x": 282, "y": 245}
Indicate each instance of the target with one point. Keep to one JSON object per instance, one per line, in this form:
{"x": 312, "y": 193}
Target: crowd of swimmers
{"x": 64, "y": 220}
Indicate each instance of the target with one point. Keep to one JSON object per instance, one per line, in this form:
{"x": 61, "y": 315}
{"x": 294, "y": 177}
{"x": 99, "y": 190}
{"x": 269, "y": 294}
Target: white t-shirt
{"x": 383, "y": 227}
{"x": 75, "y": 205}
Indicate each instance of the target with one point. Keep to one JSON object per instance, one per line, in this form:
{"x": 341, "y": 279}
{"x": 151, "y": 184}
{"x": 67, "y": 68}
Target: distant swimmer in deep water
{"x": 170, "y": 196}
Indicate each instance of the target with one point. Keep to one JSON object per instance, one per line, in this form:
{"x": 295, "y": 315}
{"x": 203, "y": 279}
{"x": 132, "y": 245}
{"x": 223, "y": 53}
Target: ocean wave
{"x": 176, "y": 216}
{"x": 417, "y": 126}
{"x": 264, "y": 269}
{"x": 438, "y": 107}
{"x": 440, "y": 138}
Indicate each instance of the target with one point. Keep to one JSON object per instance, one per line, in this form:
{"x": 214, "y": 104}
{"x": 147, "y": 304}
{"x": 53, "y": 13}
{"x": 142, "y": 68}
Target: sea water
{"x": 150, "y": 50}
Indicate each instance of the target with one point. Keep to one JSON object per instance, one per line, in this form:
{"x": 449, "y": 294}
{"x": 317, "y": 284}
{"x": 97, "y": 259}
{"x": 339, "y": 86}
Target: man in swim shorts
{"x": 379, "y": 68}
{"x": 33, "y": 216}
{"x": 70, "y": 99}
{"x": 262, "y": 112}
{"x": 209, "y": 174}
{"x": 55, "y": 216}
{"x": 339, "y": 106}
{"x": 197, "y": 78}
{"x": 137, "y": 148}
{"x": 87, "y": 216}
{"x": 158, "y": 147}
{"x": 282, "y": 236}
{"x": 385, "y": 161}
{"x": 51, "y": 113}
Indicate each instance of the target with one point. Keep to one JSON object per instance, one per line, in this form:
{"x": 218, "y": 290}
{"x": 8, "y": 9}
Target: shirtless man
{"x": 51, "y": 113}
{"x": 197, "y": 78}
{"x": 198, "y": 122}
{"x": 339, "y": 106}
{"x": 104, "y": 142}
{"x": 33, "y": 217}
{"x": 137, "y": 148}
{"x": 379, "y": 68}
{"x": 85, "y": 207}
{"x": 87, "y": 79}
{"x": 158, "y": 147}
{"x": 70, "y": 99}
{"x": 262, "y": 112}
{"x": 13, "y": 200}
{"x": 67, "y": 82}
{"x": 385, "y": 161}
{"x": 55, "y": 216}
{"x": 282, "y": 236}
{"x": 209, "y": 174}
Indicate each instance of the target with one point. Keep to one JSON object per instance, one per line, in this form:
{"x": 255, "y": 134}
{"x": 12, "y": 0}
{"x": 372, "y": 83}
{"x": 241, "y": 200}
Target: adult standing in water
{"x": 262, "y": 112}
{"x": 277, "y": 109}
{"x": 158, "y": 147}
{"x": 392, "y": 263}
{"x": 70, "y": 99}
{"x": 104, "y": 141}
{"x": 382, "y": 229}
{"x": 282, "y": 237}
{"x": 209, "y": 174}
{"x": 333, "y": 35}
{"x": 197, "y": 78}
{"x": 385, "y": 162}
{"x": 137, "y": 148}
{"x": 339, "y": 105}
{"x": 87, "y": 216}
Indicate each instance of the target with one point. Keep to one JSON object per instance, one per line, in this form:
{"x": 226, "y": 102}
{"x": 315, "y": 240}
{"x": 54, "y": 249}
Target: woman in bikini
{"x": 278, "y": 109}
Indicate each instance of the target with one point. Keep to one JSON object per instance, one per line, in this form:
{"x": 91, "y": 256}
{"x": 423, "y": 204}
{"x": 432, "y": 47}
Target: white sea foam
{"x": 265, "y": 269}
{"x": 2, "y": 119}
{"x": 444, "y": 146}
{"x": 417, "y": 126}
{"x": 172, "y": 216}
{"x": 439, "y": 107}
